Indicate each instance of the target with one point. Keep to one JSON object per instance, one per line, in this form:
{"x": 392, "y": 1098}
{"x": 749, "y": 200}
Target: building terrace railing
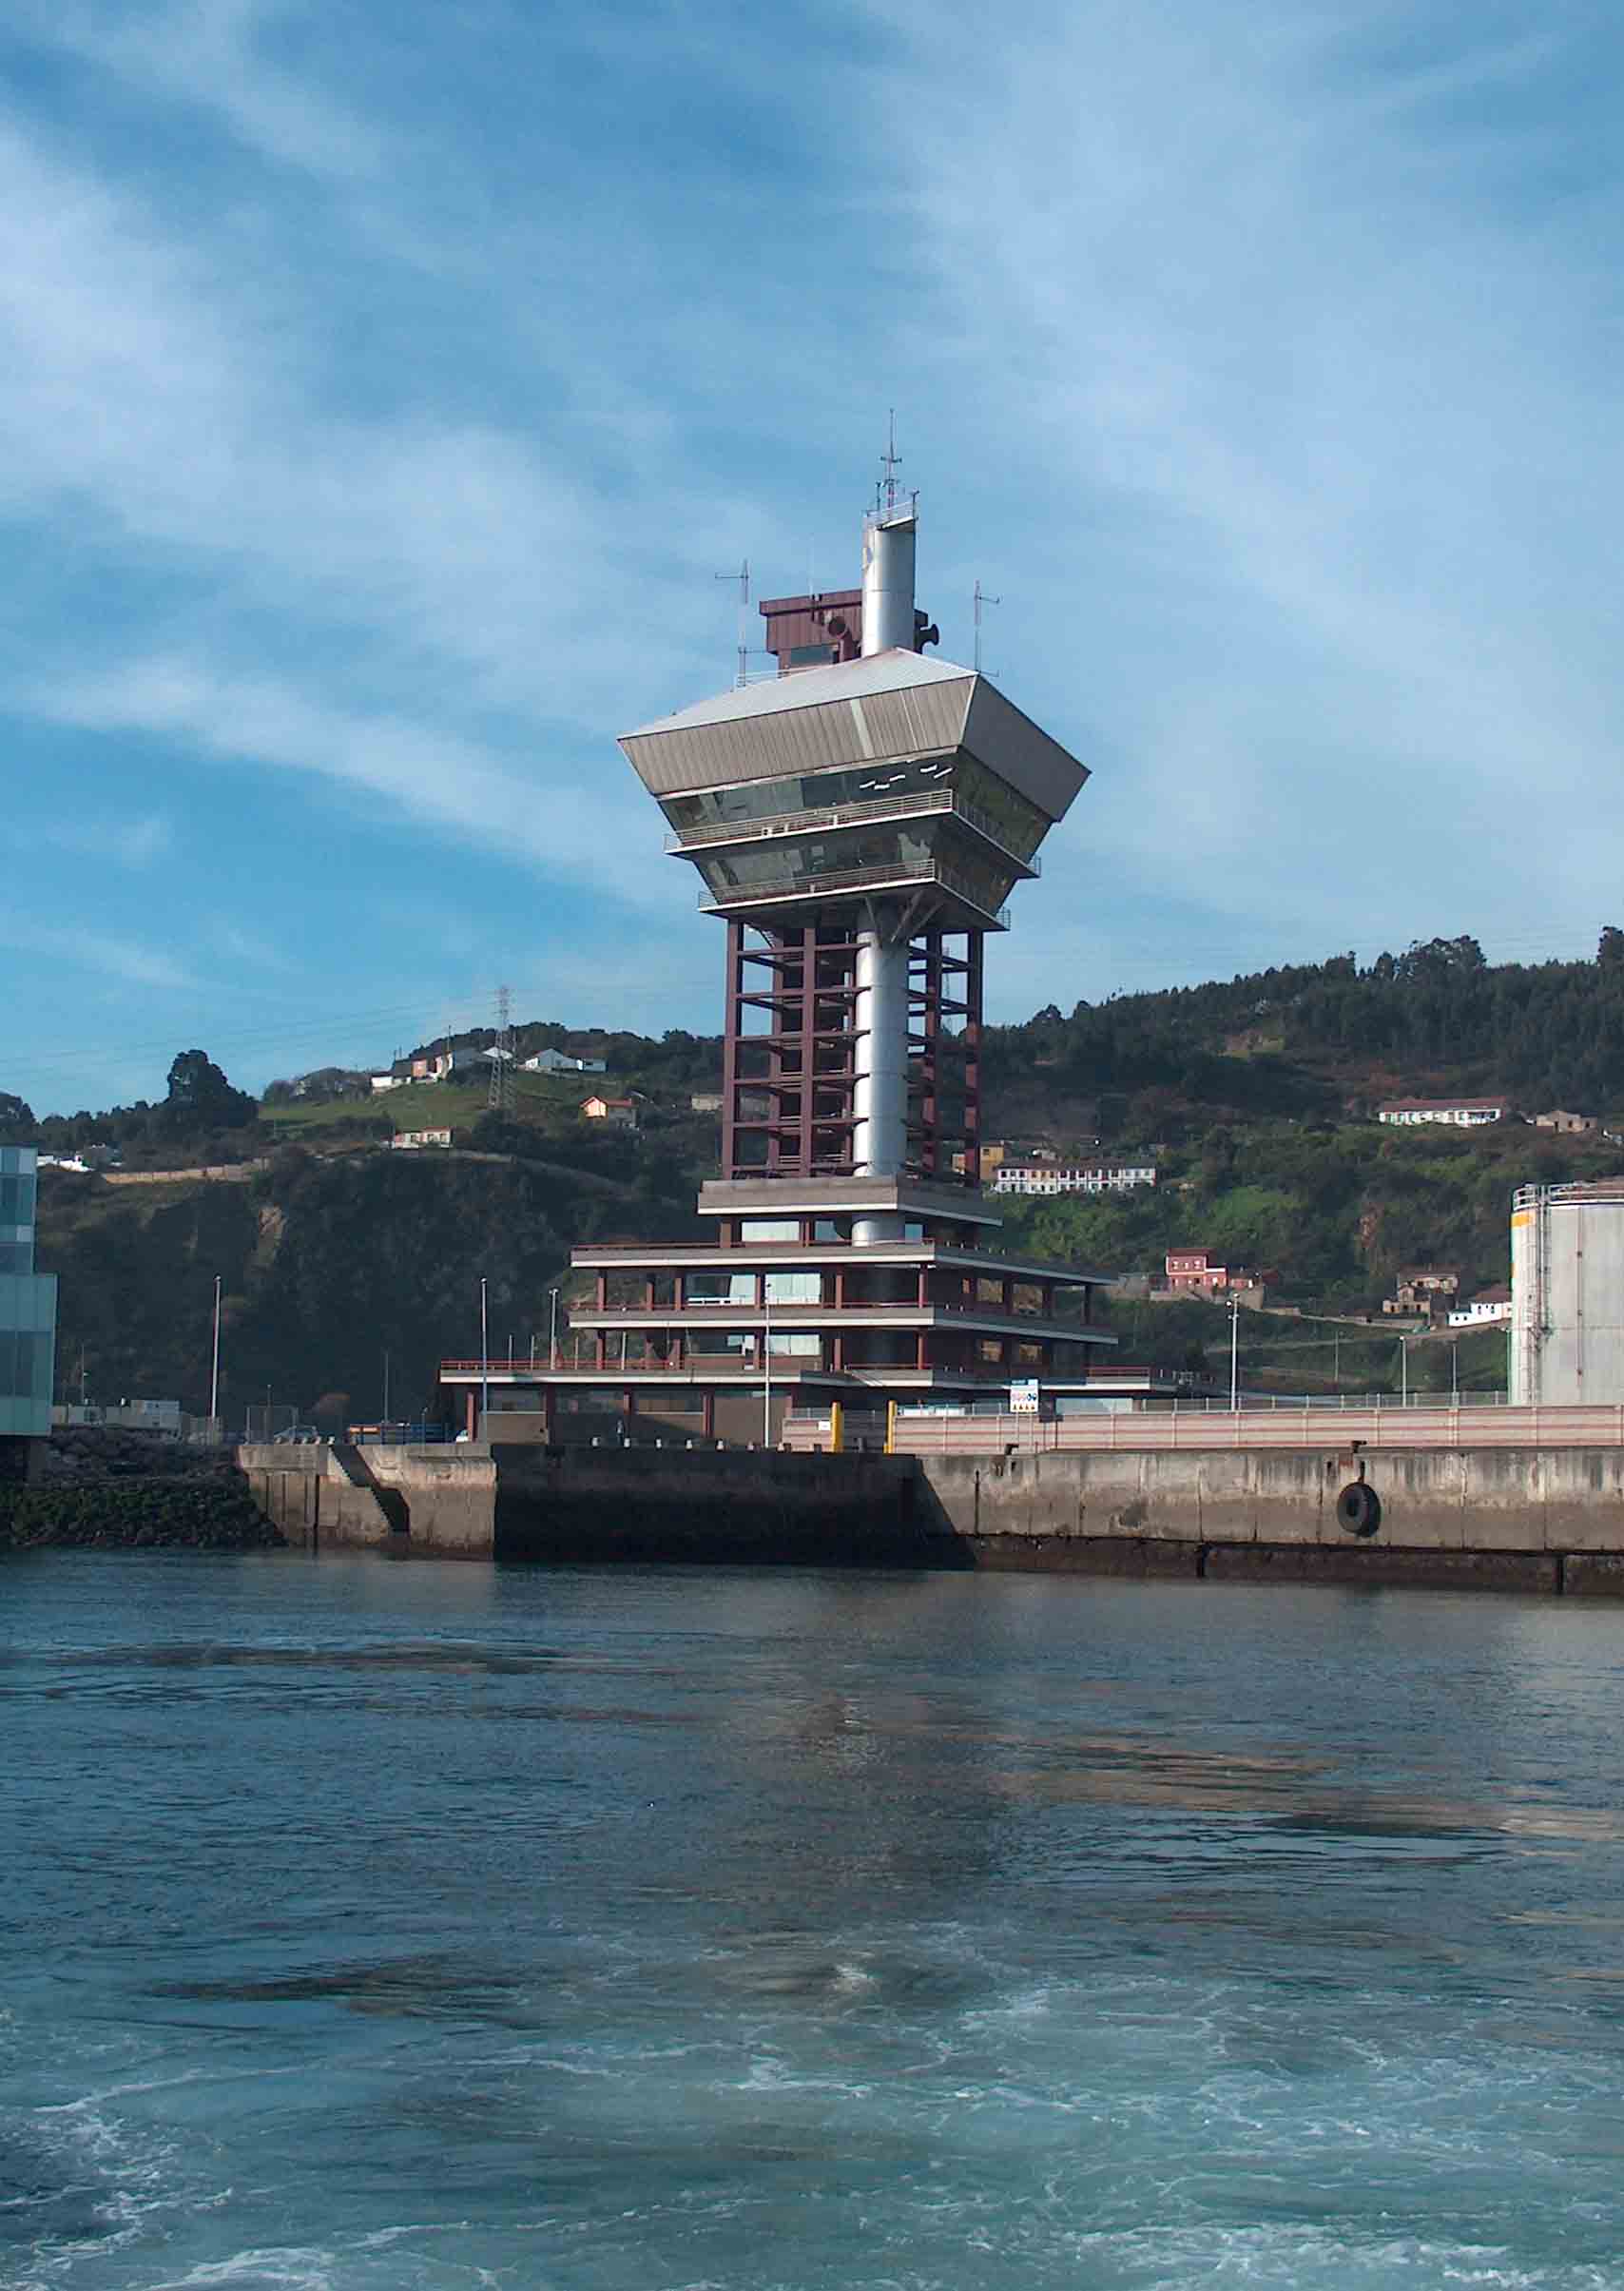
{"x": 683, "y": 841}
{"x": 1189, "y": 1426}
{"x": 901, "y": 876}
{"x": 718, "y": 1368}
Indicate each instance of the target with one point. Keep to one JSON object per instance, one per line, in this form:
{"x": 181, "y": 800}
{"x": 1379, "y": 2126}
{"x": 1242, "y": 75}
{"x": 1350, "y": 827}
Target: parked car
{"x": 297, "y": 1436}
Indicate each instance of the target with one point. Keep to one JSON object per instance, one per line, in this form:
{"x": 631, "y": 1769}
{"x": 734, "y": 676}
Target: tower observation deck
{"x": 859, "y": 824}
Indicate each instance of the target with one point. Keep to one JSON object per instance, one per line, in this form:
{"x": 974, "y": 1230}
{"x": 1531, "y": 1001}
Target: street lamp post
{"x": 553, "y": 1334}
{"x": 484, "y": 1362}
{"x": 214, "y": 1370}
{"x": 766, "y": 1361}
{"x": 1234, "y": 1353}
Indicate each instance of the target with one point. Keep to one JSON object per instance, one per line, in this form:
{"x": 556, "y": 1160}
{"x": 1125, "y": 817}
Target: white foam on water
{"x": 288, "y": 2268}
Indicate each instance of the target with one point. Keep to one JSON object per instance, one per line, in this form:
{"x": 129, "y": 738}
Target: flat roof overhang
{"x": 946, "y": 908}
{"x": 463, "y": 1376}
{"x": 811, "y": 1320}
{"x": 844, "y": 1196}
{"x": 844, "y": 1256}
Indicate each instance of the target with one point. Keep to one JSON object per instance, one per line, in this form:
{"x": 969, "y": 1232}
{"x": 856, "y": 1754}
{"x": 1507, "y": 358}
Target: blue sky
{"x": 382, "y": 386}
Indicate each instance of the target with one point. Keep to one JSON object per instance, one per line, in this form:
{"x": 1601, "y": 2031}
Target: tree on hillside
{"x": 1611, "y": 947}
{"x": 201, "y": 1097}
{"x": 16, "y": 1116}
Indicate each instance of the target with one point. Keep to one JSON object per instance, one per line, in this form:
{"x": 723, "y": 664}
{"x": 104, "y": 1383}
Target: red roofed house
{"x": 620, "y": 1112}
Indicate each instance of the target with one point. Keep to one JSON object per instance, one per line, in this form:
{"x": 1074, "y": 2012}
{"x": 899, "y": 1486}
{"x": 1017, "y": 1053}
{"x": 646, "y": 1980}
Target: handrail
{"x": 849, "y": 878}
{"x": 949, "y": 1432}
{"x": 682, "y": 841}
{"x": 725, "y": 1313}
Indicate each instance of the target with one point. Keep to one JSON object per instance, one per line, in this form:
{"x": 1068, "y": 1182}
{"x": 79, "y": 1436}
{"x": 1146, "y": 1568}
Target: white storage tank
{"x": 1567, "y": 1294}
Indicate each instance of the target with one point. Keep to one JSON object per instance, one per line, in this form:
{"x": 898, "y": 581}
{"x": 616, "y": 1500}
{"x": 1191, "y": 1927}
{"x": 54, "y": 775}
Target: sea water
{"x": 372, "y": 1925}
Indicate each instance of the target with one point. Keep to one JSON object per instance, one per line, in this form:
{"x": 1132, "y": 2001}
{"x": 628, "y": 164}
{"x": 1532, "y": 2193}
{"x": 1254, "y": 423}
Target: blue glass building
{"x": 27, "y": 1304}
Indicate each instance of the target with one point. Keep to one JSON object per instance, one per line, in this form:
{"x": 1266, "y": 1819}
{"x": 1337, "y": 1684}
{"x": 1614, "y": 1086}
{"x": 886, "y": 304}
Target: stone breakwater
{"x": 203, "y": 1514}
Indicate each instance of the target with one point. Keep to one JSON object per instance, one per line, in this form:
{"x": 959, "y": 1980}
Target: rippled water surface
{"x": 376, "y": 1926}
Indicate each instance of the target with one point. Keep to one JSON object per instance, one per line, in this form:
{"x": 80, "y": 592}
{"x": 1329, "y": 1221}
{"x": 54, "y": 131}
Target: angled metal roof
{"x": 853, "y": 712}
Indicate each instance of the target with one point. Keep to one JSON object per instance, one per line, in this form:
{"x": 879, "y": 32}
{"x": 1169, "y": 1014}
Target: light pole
{"x": 766, "y": 1362}
{"x": 552, "y": 1332}
{"x": 1454, "y": 1370}
{"x": 1404, "y": 1371}
{"x": 214, "y": 1370}
{"x": 386, "y": 1383}
{"x": 484, "y": 1362}
{"x": 1234, "y": 1353}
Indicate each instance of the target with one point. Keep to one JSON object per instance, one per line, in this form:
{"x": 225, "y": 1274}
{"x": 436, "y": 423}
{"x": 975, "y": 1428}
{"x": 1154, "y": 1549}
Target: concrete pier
{"x": 1548, "y": 1520}
{"x": 431, "y": 1502}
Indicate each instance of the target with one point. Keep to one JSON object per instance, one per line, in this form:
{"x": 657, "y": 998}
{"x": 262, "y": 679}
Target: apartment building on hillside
{"x": 1059, "y": 1177}
{"x": 1461, "y": 1112}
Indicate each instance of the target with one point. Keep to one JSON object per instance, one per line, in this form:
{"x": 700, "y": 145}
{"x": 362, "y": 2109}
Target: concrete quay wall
{"x": 434, "y": 1503}
{"x": 525, "y": 1501}
{"x": 749, "y": 1507}
{"x": 1535, "y": 1518}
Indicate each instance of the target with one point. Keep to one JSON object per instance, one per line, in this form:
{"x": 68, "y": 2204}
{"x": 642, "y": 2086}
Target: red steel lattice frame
{"x": 788, "y": 1089}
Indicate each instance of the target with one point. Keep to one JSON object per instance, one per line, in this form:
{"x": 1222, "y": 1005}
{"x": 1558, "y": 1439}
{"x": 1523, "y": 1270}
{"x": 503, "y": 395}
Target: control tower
{"x": 858, "y": 823}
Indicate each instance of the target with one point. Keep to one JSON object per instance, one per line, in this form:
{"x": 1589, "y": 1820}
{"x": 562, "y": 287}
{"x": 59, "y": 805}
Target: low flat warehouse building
{"x": 28, "y": 1316}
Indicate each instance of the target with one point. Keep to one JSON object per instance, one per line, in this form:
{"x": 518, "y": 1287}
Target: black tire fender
{"x": 1359, "y": 1508}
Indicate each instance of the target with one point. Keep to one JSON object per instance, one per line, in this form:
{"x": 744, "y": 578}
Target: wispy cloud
{"x": 133, "y": 844}
{"x": 1327, "y": 379}
{"x": 360, "y": 427}
{"x": 132, "y": 961}
{"x": 435, "y": 778}
{"x": 218, "y": 55}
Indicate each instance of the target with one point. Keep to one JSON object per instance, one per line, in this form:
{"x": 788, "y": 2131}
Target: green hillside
{"x": 325, "y": 1265}
{"x": 1254, "y": 1097}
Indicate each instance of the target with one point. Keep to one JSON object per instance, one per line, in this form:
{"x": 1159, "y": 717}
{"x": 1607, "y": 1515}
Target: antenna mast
{"x": 981, "y": 598}
{"x": 890, "y": 462}
{"x": 742, "y": 673}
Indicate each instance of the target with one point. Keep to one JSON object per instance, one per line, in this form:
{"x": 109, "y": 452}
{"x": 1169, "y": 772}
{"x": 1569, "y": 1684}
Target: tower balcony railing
{"x": 902, "y": 876}
{"x": 940, "y": 802}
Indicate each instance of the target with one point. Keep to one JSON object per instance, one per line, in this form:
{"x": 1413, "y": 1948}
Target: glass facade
{"x": 807, "y": 791}
{"x": 990, "y": 802}
{"x": 926, "y": 850}
{"x": 795, "y": 1288}
{"x": 27, "y": 1304}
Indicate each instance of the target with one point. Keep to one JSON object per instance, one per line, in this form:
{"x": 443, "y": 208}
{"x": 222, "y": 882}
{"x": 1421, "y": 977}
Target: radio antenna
{"x": 981, "y": 598}
{"x": 742, "y": 672}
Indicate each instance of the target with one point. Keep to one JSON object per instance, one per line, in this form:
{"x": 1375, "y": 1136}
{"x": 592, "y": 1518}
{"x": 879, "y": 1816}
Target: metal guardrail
{"x": 942, "y": 802}
{"x": 1158, "y": 1431}
{"x": 901, "y": 877}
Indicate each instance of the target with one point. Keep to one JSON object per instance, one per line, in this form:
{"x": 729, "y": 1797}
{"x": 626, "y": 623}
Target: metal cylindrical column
{"x": 888, "y": 581}
{"x": 879, "y": 1091}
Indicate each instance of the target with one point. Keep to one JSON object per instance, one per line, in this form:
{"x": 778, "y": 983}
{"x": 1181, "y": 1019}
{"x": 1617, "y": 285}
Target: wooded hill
{"x": 1256, "y": 1095}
